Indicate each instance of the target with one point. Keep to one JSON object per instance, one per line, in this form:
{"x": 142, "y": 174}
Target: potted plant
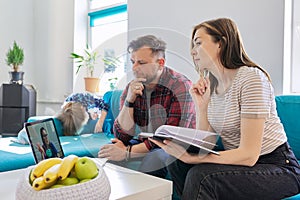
{"x": 15, "y": 58}
{"x": 88, "y": 60}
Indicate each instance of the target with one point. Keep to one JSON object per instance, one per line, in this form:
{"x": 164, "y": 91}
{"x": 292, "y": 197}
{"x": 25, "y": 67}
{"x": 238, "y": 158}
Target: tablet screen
{"x": 43, "y": 139}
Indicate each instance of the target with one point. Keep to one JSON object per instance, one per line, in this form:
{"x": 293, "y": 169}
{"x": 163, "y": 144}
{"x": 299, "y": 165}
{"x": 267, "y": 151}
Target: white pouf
{"x": 97, "y": 188}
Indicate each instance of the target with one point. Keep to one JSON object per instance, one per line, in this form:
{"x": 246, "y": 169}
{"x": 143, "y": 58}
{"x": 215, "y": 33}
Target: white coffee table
{"x": 125, "y": 184}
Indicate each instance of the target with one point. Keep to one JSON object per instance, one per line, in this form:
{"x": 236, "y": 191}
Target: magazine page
{"x": 204, "y": 140}
{"x": 188, "y": 134}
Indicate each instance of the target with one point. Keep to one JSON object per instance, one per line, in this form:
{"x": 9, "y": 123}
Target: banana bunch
{"x": 47, "y": 172}
{"x": 57, "y": 172}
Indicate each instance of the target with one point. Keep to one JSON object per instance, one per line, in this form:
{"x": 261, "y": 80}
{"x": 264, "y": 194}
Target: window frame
{"x": 115, "y": 9}
{"x": 102, "y": 12}
{"x": 291, "y": 48}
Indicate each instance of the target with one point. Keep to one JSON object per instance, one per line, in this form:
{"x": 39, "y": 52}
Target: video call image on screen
{"x": 44, "y": 140}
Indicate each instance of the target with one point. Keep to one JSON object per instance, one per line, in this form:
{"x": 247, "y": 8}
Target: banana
{"x": 39, "y": 183}
{"x": 50, "y": 174}
{"x": 31, "y": 177}
{"x": 43, "y": 165}
{"x": 66, "y": 166}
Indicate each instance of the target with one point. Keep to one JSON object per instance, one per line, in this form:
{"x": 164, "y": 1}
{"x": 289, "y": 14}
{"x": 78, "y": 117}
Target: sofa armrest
{"x": 112, "y": 98}
{"x": 288, "y": 108}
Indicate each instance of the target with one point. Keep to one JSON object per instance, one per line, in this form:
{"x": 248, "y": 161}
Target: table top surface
{"x": 125, "y": 184}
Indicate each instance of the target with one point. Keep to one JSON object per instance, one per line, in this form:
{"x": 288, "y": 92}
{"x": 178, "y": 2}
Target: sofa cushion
{"x": 115, "y": 102}
{"x": 89, "y": 127}
{"x": 112, "y": 98}
{"x": 288, "y": 108}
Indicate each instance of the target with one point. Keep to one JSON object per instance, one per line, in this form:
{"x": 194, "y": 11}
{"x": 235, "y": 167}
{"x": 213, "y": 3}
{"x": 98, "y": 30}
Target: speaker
{"x": 17, "y": 104}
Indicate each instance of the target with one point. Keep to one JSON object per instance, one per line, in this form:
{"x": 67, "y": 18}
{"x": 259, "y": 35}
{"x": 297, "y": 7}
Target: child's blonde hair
{"x": 73, "y": 115}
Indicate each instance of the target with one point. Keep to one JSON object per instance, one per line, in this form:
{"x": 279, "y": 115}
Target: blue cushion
{"x": 115, "y": 102}
{"x": 107, "y": 127}
{"x": 107, "y": 100}
{"x": 112, "y": 98}
{"x": 288, "y": 108}
{"x": 89, "y": 127}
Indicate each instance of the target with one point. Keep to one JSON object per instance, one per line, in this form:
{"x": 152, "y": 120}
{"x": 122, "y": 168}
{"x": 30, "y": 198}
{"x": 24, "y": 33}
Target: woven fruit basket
{"x": 97, "y": 188}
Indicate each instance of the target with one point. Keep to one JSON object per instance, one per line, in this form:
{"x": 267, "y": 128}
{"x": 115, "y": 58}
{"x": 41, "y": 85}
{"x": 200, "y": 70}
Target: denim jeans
{"x": 153, "y": 163}
{"x": 274, "y": 176}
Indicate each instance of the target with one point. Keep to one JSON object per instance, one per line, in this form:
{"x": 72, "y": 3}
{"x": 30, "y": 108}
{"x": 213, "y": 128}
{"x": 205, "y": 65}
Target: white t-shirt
{"x": 250, "y": 96}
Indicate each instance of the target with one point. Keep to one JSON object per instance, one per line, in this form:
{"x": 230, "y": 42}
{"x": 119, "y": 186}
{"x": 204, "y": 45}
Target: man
{"x": 157, "y": 96}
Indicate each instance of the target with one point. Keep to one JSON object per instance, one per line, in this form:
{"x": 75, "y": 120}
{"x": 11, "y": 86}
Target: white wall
{"x": 80, "y": 40}
{"x": 16, "y": 23}
{"x": 45, "y": 29}
{"x": 260, "y": 23}
{"x": 53, "y": 39}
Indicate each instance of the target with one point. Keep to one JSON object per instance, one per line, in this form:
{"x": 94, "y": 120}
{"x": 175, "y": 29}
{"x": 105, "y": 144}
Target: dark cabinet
{"x": 17, "y": 104}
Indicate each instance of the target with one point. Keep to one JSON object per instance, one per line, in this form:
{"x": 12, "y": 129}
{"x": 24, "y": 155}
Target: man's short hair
{"x": 157, "y": 45}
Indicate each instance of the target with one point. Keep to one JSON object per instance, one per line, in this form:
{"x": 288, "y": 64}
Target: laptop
{"x": 43, "y": 139}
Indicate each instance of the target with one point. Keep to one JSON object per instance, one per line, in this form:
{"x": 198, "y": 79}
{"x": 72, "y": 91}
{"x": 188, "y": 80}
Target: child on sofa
{"x": 78, "y": 116}
{"x": 78, "y": 108}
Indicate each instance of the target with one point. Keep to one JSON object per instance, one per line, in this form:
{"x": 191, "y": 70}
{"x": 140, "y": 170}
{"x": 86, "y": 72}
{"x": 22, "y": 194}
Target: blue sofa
{"x": 15, "y": 156}
{"x": 288, "y": 108}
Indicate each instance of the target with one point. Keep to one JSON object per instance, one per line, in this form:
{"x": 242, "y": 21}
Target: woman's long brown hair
{"x": 232, "y": 52}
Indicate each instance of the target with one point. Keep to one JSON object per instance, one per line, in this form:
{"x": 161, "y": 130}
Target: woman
{"x": 237, "y": 102}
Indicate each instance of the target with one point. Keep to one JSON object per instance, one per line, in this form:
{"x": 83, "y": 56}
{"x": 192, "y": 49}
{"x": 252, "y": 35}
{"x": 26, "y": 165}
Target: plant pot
{"x": 92, "y": 84}
{"x": 16, "y": 77}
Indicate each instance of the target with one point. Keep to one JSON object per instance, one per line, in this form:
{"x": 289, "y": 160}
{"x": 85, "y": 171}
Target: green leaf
{"x": 15, "y": 56}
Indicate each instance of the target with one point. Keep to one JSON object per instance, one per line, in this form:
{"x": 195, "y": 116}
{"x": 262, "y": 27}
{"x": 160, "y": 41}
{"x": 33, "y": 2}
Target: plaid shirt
{"x": 171, "y": 104}
{"x": 88, "y": 101}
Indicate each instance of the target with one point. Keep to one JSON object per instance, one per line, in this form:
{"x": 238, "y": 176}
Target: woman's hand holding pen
{"x": 200, "y": 92}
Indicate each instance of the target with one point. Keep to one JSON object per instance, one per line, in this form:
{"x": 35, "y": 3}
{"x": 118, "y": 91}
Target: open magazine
{"x": 204, "y": 140}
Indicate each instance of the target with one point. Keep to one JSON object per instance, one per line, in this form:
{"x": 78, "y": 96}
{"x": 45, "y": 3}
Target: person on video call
{"x": 157, "y": 96}
{"x": 47, "y": 149}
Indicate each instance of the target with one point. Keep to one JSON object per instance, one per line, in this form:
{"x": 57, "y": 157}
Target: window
{"x": 108, "y": 34}
{"x": 295, "y": 61}
{"x": 291, "y": 83}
